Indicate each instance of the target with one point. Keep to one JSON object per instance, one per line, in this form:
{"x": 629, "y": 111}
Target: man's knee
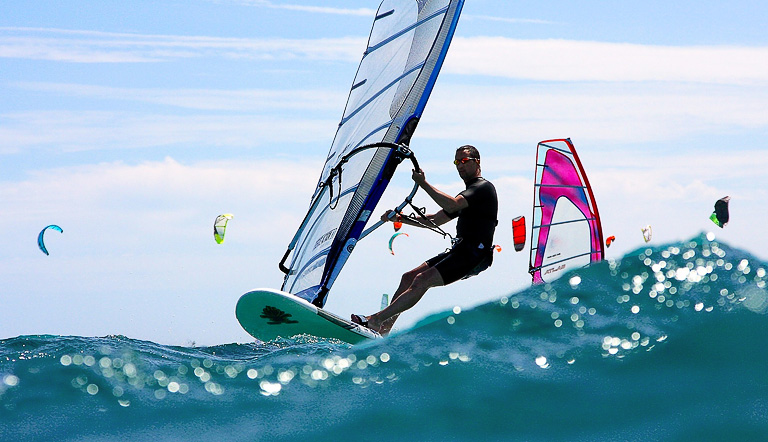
{"x": 427, "y": 279}
{"x": 409, "y": 276}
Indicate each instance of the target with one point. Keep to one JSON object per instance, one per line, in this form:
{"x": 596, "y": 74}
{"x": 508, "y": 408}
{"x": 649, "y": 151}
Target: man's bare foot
{"x": 367, "y": 321}
{"x": 374, "y": 324}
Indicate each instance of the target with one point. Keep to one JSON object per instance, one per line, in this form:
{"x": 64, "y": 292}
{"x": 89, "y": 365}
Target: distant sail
{"x": 406, "y": 49}
{"x": 566, "y": 231}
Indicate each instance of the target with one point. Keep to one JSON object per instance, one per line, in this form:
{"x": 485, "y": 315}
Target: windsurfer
{"x": 476, "y": 208}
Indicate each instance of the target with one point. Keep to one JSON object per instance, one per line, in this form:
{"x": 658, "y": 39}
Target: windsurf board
{"x": 267, "y": 314}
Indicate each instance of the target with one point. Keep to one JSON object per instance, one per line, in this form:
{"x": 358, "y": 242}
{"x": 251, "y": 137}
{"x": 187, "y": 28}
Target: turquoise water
{"x": 667, "y": 343}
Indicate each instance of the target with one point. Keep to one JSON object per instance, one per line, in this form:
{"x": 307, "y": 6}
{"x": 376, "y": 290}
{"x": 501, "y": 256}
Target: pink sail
{"x": 566, "y": 231}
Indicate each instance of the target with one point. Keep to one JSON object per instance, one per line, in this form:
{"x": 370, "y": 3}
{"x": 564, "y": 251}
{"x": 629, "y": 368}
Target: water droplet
{"x": 11, "y": 380}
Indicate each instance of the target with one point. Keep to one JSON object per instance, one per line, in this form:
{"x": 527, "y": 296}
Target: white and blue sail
{"x": 405, "y": 51}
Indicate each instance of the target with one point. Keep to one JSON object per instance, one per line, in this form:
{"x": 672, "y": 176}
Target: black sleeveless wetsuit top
{"x": 477, "y": 222}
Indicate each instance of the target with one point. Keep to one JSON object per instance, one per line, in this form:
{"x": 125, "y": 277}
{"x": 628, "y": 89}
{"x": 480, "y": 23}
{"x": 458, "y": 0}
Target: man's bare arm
{"x": 446, "y": 202}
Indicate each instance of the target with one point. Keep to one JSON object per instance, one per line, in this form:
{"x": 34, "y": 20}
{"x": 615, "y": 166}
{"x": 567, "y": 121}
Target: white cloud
{"x": 79, "y": 46}
{"x": 604, "y": 112}
{"x": 507, "y": 19}
{"x": 162, "y": 204}
{"x": 571, "y": 61}
{"x": 103, "y": 130}
{"x": 138, "y": 238}
{"x": 365, "y": 12}
{"x": 250, "y": 100}
{"x": 538, "y": 60}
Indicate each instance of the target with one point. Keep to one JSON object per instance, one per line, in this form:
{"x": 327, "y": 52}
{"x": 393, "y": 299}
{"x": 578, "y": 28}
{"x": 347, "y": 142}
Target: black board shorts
{"x": 461, "y": 262}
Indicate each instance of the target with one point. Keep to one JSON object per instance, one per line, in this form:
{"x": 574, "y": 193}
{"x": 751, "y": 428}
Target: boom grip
{"x": 415, "y": 162}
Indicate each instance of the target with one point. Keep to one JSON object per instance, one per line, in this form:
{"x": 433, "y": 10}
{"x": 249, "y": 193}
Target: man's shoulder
{"x": 479, "y": 190}
{"x": 477, "y": 182}
{"x": 484, "y": 183}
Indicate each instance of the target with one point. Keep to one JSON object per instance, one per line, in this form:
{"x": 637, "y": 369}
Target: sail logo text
{"x": 327, "y": 236}
{"x": 554, "y": 269}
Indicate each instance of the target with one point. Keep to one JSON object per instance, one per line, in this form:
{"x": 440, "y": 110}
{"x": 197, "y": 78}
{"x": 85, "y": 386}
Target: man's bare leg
{"x": 405, "y": 281}
{"x": 424, "y": 280}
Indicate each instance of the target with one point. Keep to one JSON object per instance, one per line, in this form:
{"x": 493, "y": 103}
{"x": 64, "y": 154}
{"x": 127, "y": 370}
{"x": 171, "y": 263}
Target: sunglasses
{"x": 464, "y": 160}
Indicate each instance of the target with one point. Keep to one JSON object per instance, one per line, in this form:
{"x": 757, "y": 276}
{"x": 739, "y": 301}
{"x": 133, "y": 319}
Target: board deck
{"x": 267, "y": 314}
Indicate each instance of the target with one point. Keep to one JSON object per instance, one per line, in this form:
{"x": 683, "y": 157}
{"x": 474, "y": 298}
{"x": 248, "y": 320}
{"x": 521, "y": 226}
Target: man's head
{"x": 467, "y": 161}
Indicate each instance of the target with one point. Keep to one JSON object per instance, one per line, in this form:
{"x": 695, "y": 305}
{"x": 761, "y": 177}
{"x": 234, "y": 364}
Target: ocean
{"x": 667, "y": 343}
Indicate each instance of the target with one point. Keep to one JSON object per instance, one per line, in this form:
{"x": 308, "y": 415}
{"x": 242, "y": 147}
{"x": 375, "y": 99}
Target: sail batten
{"x": 385, "y": 14}
{"x": 405, "y": 50}
{"x": 408, "y": 29}
{"x": 374, "y": 97}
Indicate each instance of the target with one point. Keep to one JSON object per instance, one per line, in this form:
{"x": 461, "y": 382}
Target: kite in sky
{"x": 720, "y": 216}
{"x": 393, "y": 238}
{"x": 220, "y": 227}
{"x": 40, "y": 242}
{"x": 518, "y": 232}
{"x": 647, "y": 233}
